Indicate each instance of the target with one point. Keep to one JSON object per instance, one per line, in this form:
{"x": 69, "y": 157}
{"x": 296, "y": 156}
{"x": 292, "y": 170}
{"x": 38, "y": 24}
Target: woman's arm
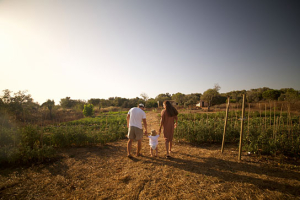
{"x": 176, "y": 121}
{"x": 159, "y": 131}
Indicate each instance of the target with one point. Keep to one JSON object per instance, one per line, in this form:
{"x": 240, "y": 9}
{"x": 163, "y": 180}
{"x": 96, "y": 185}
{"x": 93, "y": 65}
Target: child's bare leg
{"x": 151, "y": 151}
{"x": 156, "y": 151}
{"x": 170, "y": 146}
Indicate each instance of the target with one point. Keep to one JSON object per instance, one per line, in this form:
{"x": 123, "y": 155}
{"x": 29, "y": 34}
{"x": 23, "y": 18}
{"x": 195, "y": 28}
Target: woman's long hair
{"x": 171, "y": 110}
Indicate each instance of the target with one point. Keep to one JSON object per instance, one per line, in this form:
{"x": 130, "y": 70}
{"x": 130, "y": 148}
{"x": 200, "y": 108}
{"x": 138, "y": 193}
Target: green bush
{"x": 88, "y": 110}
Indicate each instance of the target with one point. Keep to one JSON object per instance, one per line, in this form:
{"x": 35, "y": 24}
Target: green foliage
{"x": 211, "y": 96}
{"x": 19, "y": 105}
{"x": 88, "y": 110}
{"x": 255, "y": 95}
{"x": 30, "y": 136}
{"x": 261, "y": 135}
{"x": 271, "y": 94}
{"x": 290, "y": 95}
{"x": 24, "y": 145}
{"x": 69, "y": 103}
{"x": 95, "y": 102}
{"x": 50, "y": 105}
{"x": 192, "y": 99}
{"x": 151, "y": 103}
{"x": 179, "y": 98}
{"x": 163, "y": 97}
{"x": 36, "y": 144}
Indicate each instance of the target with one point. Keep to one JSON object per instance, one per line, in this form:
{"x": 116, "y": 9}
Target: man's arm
{"x": 128, "y": 118}
{"x": 145, "y": 125}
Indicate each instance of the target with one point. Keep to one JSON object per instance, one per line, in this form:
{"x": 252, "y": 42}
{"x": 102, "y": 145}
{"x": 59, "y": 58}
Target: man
{"x": 135, "y": 117}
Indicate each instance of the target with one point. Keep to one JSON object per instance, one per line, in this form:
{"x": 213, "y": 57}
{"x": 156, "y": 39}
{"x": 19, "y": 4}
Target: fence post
{"x": 225, "y": 124}
{"x": 242, "y": 127}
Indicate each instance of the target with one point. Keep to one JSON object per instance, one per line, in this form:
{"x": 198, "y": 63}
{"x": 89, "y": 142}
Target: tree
{"x": 145, "y": 97}
{"x": 134, "y": 102}
{"x": 6, "y": 98}
{"x": 271, "y": 94}
{"x": 95, "y": 102}
{"x": 19, "y": 105}
{"x": 103, "y": 103}
{"x": 163, "y": 97}
{"x": 211, "y": 94}
{"x": 289, "y": 94}
{"x": 236, "y": 95}
{"x": 179, "y": 98}
{"x": 152, "y": 103}
{"x": 118, "y": 101}
{"x": 67, "y": 102}
{"x": 49, "y": 104}
{"x": 192, "y": 98}
{"x": 208, "y": 95}
{"x": 254, "y": 95}
{"x": 88, "y": 110}
{"x": 217, "y": 87}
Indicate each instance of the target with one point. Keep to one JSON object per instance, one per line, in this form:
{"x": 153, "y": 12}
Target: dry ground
{"x": 193, "y": 172}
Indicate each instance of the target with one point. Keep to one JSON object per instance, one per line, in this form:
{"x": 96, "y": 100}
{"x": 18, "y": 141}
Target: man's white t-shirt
{"x": 136, "y": 117}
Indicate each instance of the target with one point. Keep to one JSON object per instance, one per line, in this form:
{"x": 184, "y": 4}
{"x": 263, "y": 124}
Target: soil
{"x": 192, "y": 172}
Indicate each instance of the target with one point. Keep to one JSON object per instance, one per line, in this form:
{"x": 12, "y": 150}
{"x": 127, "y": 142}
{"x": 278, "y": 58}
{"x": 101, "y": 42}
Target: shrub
{"x": 88, "y": 110}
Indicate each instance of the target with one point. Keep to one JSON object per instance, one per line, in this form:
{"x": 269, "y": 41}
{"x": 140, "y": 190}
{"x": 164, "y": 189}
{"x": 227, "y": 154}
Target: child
{"x": 153, "y": 142}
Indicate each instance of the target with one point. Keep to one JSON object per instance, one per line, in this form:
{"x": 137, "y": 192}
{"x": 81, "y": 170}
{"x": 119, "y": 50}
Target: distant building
{"x": 202, "y": 104}
{"x": 174, "y": 103}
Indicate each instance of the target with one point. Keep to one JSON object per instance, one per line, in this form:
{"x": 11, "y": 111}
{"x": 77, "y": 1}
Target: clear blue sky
{"x": 106, "y": 48}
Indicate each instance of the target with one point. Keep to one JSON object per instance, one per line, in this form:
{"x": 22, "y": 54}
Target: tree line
{"x": 20, "y": 104}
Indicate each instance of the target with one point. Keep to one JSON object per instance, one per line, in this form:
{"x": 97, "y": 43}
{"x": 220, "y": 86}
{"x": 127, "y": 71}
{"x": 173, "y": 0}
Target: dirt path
{"x": 193, "y": 172}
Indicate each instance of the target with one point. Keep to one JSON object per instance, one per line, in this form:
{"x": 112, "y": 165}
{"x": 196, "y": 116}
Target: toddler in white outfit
{"x": 153, "y": 142}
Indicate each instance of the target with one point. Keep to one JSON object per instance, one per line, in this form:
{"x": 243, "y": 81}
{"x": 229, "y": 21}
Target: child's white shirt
{"x": 153, "y": 140}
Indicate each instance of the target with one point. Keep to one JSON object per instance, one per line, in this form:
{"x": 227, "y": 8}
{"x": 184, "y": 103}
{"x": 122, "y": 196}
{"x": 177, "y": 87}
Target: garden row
{"x": 35, "y": 143}
{"x": 265, "y": 133}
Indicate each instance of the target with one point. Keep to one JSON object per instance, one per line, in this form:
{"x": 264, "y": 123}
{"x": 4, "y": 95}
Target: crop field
{"x": 263, "y": 133}
{"x": 86, "y": 169}
{"x": 36, "y": 143}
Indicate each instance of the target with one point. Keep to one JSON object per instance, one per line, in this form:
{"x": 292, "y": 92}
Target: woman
{"x": 168, "y": 117}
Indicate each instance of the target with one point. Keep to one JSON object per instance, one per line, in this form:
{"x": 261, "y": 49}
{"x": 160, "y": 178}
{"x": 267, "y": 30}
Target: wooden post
{"x": 242, "y": 127}
{"x": 265, "y": 116}
{"x": 270, "y": 114}
{"x": 249, "y": 119}
{"x": 225, "y": 124}
{"x": 274, "y": 125}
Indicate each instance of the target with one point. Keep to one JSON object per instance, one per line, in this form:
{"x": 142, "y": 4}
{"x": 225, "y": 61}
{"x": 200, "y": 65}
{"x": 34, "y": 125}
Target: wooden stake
{"x": 249, "y": 119}
{"x": 265, "y": 116}
{"x": 260, "y": 123}
{"x": 274, "y": 128}
{"x": 242, "y": 127}
{"x": 225, "y": 125}
{"x": 270, "y": 114}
